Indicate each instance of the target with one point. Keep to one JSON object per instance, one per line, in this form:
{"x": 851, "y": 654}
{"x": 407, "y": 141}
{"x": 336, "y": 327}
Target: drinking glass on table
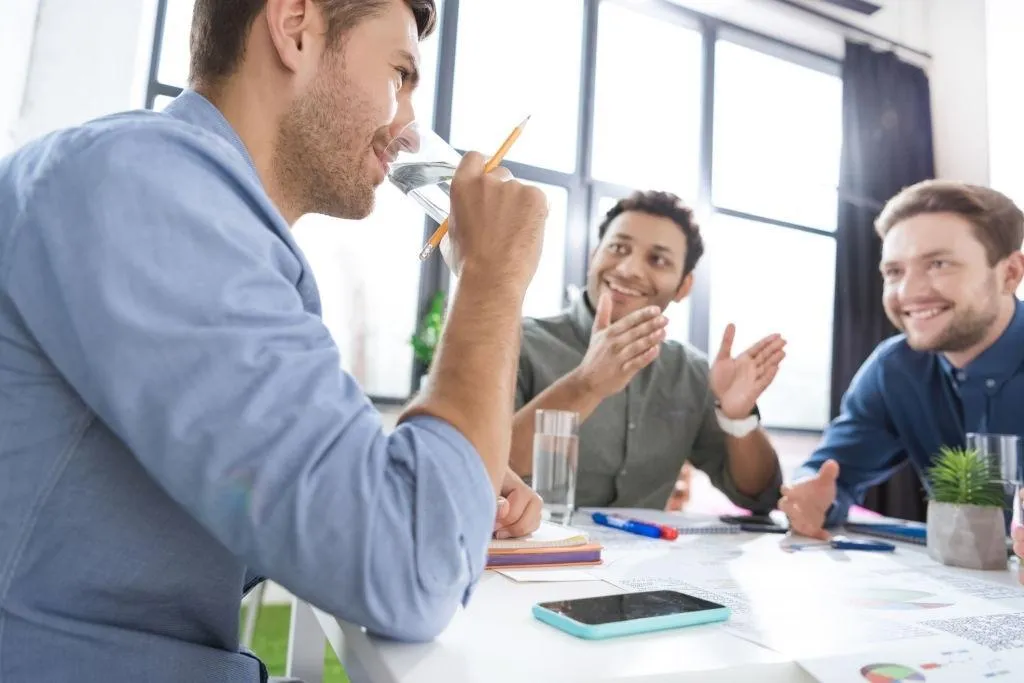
{"x": 555, "y": 456}
{"x": 1003, "y": 454}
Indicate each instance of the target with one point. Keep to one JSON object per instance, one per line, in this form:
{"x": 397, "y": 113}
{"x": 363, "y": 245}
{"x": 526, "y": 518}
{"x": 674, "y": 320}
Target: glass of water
{"x": 555, "y": 455}
{"x": 1003, "y": 453}
{"x": 422, "y": 165}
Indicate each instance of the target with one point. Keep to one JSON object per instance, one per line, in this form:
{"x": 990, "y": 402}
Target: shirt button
{"x": 990, "y": 383}
{"x": 632, "y": 425}
{"x": 962, "y": 376}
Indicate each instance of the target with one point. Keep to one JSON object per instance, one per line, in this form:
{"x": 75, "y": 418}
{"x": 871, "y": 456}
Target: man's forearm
{"x": 568, "y": 393}
{"x": 472, "y": 380}
{"x": 752, "y": 462}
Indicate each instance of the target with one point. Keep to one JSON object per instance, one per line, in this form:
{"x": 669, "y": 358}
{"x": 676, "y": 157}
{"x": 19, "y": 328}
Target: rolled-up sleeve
{"x": 148, "y": 269}
{"x": 711, "y": 455}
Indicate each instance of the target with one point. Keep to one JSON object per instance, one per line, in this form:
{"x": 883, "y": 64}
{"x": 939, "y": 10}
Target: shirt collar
{"x": 194, "y": 108}
{"x": 999, "y": 361}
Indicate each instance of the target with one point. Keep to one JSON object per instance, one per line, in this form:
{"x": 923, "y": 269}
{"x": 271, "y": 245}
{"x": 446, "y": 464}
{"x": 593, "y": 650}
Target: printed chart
{"x": 952, "y": 664}
{"x": 890, "y": 673}
{"x": 896, "y": 599}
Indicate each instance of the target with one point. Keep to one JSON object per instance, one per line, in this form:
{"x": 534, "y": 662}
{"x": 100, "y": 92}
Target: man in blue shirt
{"x": 173, "y": 417}
{"x": 951, "y": 266}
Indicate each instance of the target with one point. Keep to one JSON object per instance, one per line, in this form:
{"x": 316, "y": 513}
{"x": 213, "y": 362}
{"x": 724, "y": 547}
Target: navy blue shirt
{"x": 906, "y": 404}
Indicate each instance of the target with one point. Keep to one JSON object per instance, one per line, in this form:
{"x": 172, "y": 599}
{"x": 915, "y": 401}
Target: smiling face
{"x": 939, "y": 287}
{"x": 639, "y": 262}
{"x": 330, "y": 152}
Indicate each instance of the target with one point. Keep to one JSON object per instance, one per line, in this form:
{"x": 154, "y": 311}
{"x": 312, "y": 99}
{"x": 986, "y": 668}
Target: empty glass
{"x": 1003, "y": 453}
{"x": 555, "y": 455}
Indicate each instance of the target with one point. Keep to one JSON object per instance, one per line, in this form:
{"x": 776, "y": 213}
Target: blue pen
{"x": 841, "y": 543}
{"x": 632, "y": 526}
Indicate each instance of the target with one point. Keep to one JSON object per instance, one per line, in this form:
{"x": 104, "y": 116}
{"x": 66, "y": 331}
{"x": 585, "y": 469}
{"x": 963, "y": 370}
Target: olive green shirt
{"x": 635, "y": 443}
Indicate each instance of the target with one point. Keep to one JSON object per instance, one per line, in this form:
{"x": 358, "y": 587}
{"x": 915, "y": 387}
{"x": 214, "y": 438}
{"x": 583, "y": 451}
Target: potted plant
{"x": 424, "y": 341}
{"x": 965, "y": 511}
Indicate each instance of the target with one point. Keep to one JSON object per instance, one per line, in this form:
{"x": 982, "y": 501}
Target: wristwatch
{"x": 738, "y": 428}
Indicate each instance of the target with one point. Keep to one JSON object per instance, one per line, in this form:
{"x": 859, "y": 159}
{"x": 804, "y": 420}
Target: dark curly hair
{"x": 666, "y": 205}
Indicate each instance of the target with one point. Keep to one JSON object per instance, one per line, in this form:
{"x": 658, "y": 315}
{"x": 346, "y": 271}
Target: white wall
{"x": 957, "y": 40}
{"x": 88, "y": 58}
{"x": 1006, "y": 96}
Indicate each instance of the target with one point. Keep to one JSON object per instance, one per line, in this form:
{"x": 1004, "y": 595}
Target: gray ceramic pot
{"x": 969, "y": 536}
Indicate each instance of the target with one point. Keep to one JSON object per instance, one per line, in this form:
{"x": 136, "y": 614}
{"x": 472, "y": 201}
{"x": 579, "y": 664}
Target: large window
{"x": 770, "y": 240}
{"x": 498, "y": 80}
{"x": 623, "y": 96}
{"x": 647, "y": 102}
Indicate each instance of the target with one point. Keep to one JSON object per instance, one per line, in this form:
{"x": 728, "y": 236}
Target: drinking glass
{"x": 555, "y": 456}
{"x": 421, "y": 167}
{"x": 1003, "y": 454}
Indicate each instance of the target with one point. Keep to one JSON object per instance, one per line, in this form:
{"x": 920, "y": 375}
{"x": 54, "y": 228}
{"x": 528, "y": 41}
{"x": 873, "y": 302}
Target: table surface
{"x": 496, "y": 638}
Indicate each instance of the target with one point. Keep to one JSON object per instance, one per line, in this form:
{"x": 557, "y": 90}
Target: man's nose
{"x": 630, "y": 266}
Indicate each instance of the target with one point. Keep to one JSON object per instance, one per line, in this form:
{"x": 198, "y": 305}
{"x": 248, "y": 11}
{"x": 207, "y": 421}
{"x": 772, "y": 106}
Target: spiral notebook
{"x": 696, "y": 528}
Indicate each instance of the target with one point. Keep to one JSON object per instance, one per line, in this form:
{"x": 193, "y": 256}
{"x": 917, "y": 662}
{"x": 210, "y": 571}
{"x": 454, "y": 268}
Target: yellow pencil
{"x": 491, "y": 164}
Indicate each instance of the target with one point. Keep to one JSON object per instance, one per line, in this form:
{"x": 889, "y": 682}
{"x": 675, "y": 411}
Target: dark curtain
{"x": 887, "y": 145}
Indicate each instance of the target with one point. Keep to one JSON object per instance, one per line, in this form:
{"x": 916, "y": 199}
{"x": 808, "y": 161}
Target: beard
{"x": 319, "y": 161}
{"x": 968, "y": 327}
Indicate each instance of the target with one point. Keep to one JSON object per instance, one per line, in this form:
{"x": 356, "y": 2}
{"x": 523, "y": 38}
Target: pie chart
{"x": 890, "y": 673}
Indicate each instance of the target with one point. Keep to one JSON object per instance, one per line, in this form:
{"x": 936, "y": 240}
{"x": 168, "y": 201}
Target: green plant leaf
{"x": 962, "y": 477}
{"x": 424, "y": 342}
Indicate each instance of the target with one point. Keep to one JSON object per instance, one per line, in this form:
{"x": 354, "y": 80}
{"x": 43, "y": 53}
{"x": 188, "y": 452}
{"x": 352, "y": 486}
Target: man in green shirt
{"x": 648, "y": 405}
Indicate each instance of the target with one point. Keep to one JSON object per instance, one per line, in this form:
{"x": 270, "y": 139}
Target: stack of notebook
{"x": 550, "y": 545}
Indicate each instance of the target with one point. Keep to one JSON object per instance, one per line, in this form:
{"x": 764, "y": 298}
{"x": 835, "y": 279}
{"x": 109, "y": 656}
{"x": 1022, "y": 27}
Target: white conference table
{"x": 496, "y": 638}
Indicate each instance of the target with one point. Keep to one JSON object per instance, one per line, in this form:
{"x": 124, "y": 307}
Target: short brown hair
{"x": 221, "y": 27}
{"x": 998, "y": 222}
{"x": 666, "y": 205}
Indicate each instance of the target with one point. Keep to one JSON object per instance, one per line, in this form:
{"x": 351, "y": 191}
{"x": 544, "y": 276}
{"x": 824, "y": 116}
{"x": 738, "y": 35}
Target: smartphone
{"x": 609, "y": 616}
{"x": 747, "y": 519}
{"x": 841, "y": 543}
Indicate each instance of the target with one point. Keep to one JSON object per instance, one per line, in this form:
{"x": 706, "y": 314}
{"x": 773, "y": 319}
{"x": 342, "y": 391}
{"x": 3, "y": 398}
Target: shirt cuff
{"x": 763, "y": 502}
{"x": 471, "y": 494}
{"x": 837, "y": 514}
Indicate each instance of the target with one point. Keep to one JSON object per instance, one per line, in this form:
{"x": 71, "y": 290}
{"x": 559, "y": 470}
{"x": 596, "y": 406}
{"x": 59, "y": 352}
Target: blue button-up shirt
{"x": 905, "y": 405}
{"x": 173, "y": 418}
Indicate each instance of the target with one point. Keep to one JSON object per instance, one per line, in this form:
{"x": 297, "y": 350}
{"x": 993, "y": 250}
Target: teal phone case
{"x": 631, "y": 626}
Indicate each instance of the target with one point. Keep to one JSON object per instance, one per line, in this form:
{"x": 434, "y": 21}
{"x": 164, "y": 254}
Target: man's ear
{"x": 1014, "y": 272}
{"x": 291, "y": 25}
{"x": 684, "y": 288}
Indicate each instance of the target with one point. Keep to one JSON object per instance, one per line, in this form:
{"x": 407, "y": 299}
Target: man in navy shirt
{"x": 951, "y": 265}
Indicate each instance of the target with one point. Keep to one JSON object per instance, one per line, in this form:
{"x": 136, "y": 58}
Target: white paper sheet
{"x": 825, "y": 602}
{"x": 547, "y": 575}
{"x": 938, "y": 663}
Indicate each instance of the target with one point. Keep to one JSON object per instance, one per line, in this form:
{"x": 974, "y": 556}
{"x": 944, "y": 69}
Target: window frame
{"x": 584, "y": 192}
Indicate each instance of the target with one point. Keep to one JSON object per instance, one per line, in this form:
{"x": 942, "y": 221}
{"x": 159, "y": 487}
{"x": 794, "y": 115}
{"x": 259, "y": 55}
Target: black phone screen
{"x": 609, "y": 609}
{"x": 747, "y": 519}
